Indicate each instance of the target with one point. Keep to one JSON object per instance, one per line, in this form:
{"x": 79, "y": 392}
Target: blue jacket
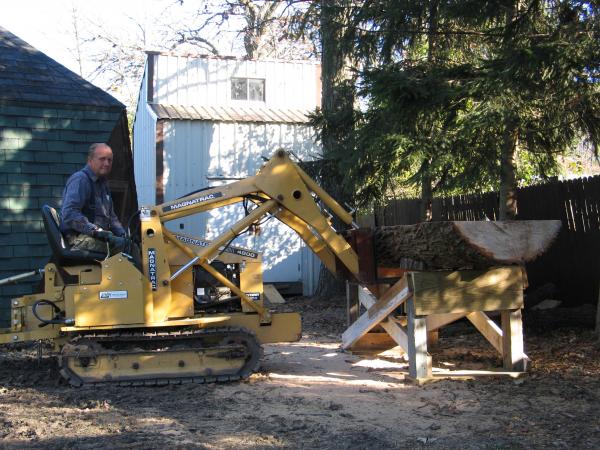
{"x": 87, "y": 205}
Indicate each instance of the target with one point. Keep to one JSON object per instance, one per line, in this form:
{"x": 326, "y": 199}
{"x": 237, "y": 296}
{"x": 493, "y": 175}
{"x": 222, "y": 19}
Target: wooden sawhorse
{"x": 435, "y": 299}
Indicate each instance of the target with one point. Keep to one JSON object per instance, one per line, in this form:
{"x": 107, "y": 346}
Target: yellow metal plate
{"x": 284, "y": 327}
{"x": 49, "y": 332}
{"x": 200, "y": 321}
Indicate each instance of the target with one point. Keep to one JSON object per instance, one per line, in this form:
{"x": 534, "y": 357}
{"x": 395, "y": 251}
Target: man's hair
{"x": 93, "y": 148}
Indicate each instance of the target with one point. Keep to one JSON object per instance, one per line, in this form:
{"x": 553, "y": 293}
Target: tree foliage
{"x": 448, "y": 86}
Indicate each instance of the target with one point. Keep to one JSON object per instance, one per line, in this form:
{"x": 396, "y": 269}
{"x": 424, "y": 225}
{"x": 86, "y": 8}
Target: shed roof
{"x": 28, "y": 75}
{"x": 230, "y": 114}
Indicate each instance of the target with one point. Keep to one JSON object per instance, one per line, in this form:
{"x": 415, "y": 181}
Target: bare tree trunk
{"x": 77, "y": 49}
{"x": 508, "y": 184}
{"x": 337, "y": 105}
{"x": 337, "y": 97}
{"x": 432, "y": 38}
{"x": 257, "y": 18}
{"x": 426, "y": 213}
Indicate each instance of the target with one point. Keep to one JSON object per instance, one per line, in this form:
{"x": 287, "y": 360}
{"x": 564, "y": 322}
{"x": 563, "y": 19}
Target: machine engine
{"x": 210, "y": 295}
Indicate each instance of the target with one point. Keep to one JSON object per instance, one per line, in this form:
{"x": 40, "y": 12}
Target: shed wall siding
{"x": 39, "y": 149}
{"x": 182, "y": 80}
{"x": 144, "y": 145}
{"x": 195, "y": 150}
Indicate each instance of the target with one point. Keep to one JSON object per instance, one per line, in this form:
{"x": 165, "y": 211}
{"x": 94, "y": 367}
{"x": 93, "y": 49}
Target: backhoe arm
{"x": 281, "y": 188}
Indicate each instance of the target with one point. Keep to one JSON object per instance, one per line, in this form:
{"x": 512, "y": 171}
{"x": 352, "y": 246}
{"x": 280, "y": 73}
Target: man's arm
{"x": 77, "y": 192}
{"x": 115, "y": 225}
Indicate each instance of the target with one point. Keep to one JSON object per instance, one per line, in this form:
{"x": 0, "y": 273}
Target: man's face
{"x": 101, "y": 162}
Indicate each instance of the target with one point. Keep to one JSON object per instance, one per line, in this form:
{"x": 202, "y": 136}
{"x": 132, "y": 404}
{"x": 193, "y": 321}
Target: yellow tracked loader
{"x": 194, "y": 310}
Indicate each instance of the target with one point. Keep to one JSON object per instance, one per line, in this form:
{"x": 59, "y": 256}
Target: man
{"x": 88, "y": 219}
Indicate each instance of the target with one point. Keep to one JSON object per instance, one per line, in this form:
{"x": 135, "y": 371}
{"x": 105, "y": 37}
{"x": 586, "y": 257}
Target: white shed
{"x": 203, "y": 120}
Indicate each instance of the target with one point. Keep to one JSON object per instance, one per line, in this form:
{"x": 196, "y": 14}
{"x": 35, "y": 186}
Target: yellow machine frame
{"x": 117, "y": 295}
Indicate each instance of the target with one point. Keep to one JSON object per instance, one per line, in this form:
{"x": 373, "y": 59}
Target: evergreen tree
{"x": 456, "y": 90}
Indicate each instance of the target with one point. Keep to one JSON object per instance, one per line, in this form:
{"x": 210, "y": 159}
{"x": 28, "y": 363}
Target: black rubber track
{"x": 225, "y": 335}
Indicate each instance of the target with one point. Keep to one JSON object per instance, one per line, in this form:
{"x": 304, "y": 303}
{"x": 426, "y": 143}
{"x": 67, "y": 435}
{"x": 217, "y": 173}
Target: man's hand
{"x": 112, "y": 239}
{"x": 103, "y": 235}
{"x": 118, "y": 241}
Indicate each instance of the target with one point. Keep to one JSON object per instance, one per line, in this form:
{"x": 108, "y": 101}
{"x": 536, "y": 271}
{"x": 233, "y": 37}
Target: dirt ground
{"x": 310, "y": 395}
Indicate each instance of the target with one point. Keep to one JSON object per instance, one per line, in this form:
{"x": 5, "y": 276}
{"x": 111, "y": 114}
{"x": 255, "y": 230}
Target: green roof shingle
{"x": 28, "y": 75}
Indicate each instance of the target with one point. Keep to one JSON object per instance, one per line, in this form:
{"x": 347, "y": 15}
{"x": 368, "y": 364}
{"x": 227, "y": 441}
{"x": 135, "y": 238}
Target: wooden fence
{"x": 572, "y": 263}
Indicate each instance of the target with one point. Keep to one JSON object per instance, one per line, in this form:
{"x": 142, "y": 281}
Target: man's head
{"x": 100, "y": 159}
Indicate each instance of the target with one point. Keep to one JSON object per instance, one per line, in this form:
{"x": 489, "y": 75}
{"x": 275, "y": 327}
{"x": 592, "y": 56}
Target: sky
{"x": 48, "y": 24}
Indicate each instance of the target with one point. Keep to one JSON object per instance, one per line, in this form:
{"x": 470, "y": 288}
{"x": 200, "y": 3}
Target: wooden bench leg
{"x": 419, "y": 362}
{"x": 394, "y": 329}
{"x": 378, "y": 312}
{"x": 433, "y": 337}
{"x": 352, "y": 303}
{"x": 513, "y": 354}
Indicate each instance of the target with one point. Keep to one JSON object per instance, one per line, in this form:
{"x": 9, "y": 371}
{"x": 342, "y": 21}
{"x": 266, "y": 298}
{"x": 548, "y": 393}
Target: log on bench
{"x": 462, "y": 244}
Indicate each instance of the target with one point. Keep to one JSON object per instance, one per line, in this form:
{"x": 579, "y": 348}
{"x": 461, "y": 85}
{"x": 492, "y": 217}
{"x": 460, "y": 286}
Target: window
{"x": 248, "y": 89}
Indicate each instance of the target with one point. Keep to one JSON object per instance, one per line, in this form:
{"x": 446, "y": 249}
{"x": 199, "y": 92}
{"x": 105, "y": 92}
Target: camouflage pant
{"x": 85, "y": 242}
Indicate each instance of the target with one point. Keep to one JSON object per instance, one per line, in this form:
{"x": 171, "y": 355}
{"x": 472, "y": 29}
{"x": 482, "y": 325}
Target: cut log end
{"x": 510, "y": 242}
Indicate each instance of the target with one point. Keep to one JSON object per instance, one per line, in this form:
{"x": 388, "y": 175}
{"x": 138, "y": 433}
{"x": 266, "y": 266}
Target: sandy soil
{"x": 311, "y": 395}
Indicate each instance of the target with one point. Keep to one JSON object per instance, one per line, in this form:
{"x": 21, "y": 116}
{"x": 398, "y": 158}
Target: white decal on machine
{"x": 192, "y": 202}
{"x": 228, "y": 249}
{"x": 144, "y": 214}
{"x": 152, "y": 268}
{"x": 113, "y": 295}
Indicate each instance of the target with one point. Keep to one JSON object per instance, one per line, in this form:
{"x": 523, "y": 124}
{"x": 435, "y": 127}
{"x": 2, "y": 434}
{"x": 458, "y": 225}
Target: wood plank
{"x": 419, "y": 362}
{"x": 398, "y": 333}
{"x": 393, "y": 327}
{"x": 374, "y": 342}
{"x": 575, "y": 196}
{"x": 488, "y": 328}
{"x": 272, "y": 294}
{"x": 433, "y": 337}
{"x": 437, "y": 321}
{"x": 390, "y": 300}
{"x": 366, "y": 297}
{"x": 362, "y": 243}
{"x": 598, "y": 315}
{"x": 467, "y": 290}
{"x": 352, "y": 303}
{"x": 591, "y": 198}
{"x": 513, "y": 355}
{"x": 390, "y": 272}
{"x": 583, "y": 256}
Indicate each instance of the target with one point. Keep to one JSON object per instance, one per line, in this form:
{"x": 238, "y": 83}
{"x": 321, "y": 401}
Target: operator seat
{"x": 62, "y": 252}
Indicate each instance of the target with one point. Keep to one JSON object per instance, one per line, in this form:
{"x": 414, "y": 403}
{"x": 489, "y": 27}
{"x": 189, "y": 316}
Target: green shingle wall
{"x": 40, "y": 147}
